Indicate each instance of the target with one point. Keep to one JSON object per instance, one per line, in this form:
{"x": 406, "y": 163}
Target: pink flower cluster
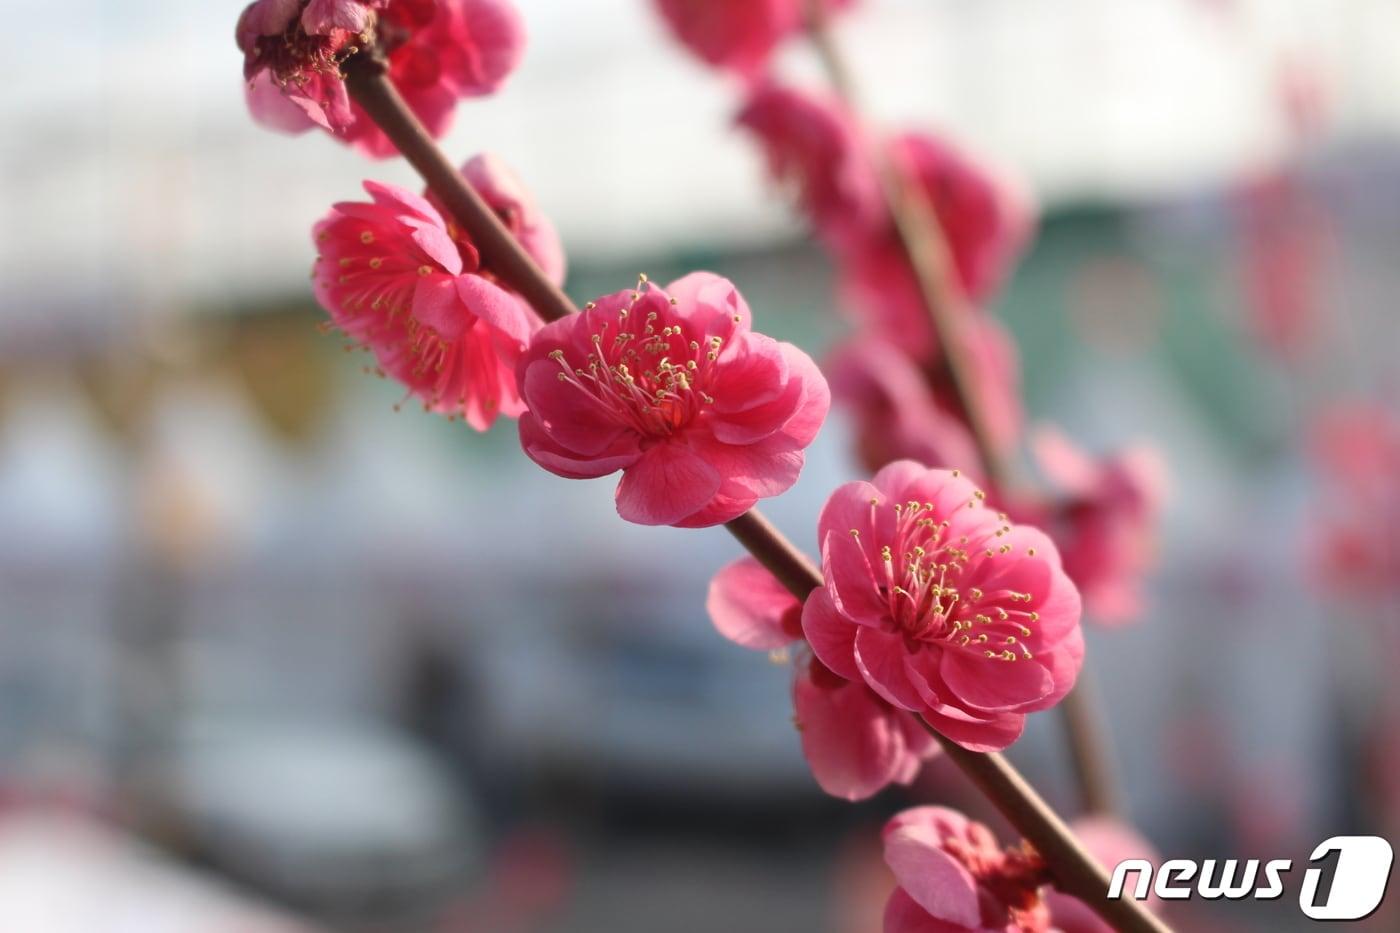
{"x": 1356, "y": 545}
{"x": 406, "y": 283}
{"x": 932, "y": 605}
{"x": 671, "y": 386}
{"x": 954, "y": 877}
{"x": 986, "y": 217}
{"x": 816, "y": 146}
{"x": 942, "y": 606}
{"x": 437, "y": 51}
{"x": 889, "y": 374}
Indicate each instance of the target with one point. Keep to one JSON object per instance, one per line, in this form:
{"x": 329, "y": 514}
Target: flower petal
{"x": 504, "y": 312}
{"x": 437, "y": 305}
{"x": 993, "y": 684}
{"x": 711, "y": 304}
{"x": 274, "y": 110}
{"x": 751, "y": 608}
{"x": 848, "y": 737}
{"x": 880, "y": 656}
{"x": 933, "y": 879}
{"x": 543, "y": 449}
{"x": 991, "y": 735}
{"x": 831, "y": 635}
{"x": 904, "y": 915}
{"x": 768, "y": 467}
{"x": 751, "y": 374}
{"x": 668, "y": 483}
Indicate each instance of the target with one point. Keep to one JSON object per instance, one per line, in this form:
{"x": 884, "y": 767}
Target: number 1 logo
{"x": 1350, "y": 879}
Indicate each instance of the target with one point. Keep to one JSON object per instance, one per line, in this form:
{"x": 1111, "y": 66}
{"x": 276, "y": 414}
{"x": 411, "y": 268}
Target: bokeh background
{"x": 276, "y": 656}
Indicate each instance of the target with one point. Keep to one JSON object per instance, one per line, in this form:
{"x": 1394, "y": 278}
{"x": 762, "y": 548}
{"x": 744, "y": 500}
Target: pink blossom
{"x": 1109, "y": 842}
{"x": 855, "y": 743}
{"x": 1305, "y": 94}
{"x": 702, "y": 415}
{"x": 1285, "y": 243}
{"x": 815, "y": 145}
{"x": 280, "y": 51}
{"x": 736, "y": 35}
{"x": 895, "y": 412}
{"x": 904, "y": 412}
{"x": 986, "y": 218}
{"x": 954, "y": 877}
{"x": 943, "y": 607}
{"x": 438, "y": 51}
{"x": 1103, "y": 514}
{"x": 1356, "y": 446}
{"x": 400, "y": 280}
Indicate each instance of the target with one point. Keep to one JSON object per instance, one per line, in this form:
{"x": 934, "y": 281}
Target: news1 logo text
{"x": 1346, "y": 878}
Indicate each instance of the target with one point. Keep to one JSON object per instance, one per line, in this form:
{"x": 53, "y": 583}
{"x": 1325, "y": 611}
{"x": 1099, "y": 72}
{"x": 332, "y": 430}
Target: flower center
{"x": 921, "y": 575}
{"x": 294, "y": 56}
{"x": 1013, "y": 876}
{"x": 376, "y": 282}
{"x": 650, "y": 380}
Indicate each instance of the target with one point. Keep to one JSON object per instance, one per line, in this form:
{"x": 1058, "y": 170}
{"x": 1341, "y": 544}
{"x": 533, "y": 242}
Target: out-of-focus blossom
{"x": 1304, "y": 93}
{"x": 438, "y": 51}
{"x": 815, "y": 145}
{"x": 1109, "y": 842}
{"x": 1103, "y": 514}
{"x": 528, "y": 879}
{"x": 896, "y": 414}
{"x": 943, "y": 607}
{"x": 1284, "y": 243}
{"x": 986, "y": 217}
{"x": 1356, "y": 446}
{"x": 702, "y": 415}
{"x": 954, "y": 877}
{"x": 399, "y": 279}
{"x": 855, "y": 742}
{"x": 737, "y": 35}
{"x": 514, "y": 204}
{"x": 904, "y": 412}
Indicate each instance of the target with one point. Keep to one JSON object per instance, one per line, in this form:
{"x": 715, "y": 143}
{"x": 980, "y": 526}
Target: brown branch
{"x": 1087, "y": 735}
{"x": 1074, "y": 869}
{"x": 369, "y": 85}
{"x": 779, "y": 556}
